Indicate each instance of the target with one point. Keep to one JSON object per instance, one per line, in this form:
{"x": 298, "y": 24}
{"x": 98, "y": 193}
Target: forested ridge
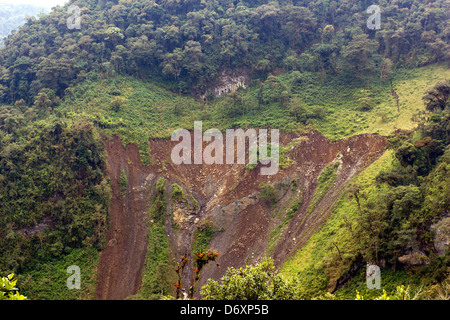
{"x": 191, "y": 42}
{"x": 137, "y": 69}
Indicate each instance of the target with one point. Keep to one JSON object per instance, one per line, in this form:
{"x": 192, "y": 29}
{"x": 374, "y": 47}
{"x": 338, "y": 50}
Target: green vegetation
{"x": 325, "y": 182}
{"x": 157, "y": 276}
{"x": 268, "y": 193}
{"x": 397, "y": 200}
{"x": 318, "y": 265}
{"x": 202, "y": 237}
{"x": 8, "y": 290}
{"x": 149, "y": 110}
{"x": 51, "y": 173}
{"x": 158, "y": 206}
{"x": 295, "y": 201}
{"x": 400, "y": 294}
{"x": 283, "y": 156}
{"x": 185, "y": 46}
{"x": 123, "y": 181}
{"x": 47, "y": 280}
{"x": 177, "y": 193}
{"x": 258, "y": 282}
{"x": 294, "y": 208}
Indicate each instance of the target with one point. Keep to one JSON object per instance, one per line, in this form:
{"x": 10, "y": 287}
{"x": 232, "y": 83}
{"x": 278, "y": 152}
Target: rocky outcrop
{"x": 415, "y": 258}
{"x": 30, "y": 231}
{"x": 226, "y": 84}
{"x": 442, "y": 234}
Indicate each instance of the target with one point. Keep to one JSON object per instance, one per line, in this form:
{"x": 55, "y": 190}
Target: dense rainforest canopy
{"x": 193, "y": 41}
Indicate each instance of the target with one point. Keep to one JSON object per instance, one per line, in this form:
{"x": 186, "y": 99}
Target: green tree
{"x": 357, "y": 55}
{"x": 258, "y": 282}
{"x": 192, "y": 58}
{"x": 272, "y": 89}
{"x": 172, "y": 64}
{"x": 42, "y": 101}
{"x": 296, "y": 108}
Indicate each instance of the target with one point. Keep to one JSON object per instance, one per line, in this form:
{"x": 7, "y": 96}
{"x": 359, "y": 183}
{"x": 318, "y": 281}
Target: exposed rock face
{"x": 226, "y": 195}
{"x": 441, "y": 243}
{"x": 442, "y": 234}
{"x": 415, "y": 258}
{"x": 46, "y": 222}
{"x": 226, "y": 84}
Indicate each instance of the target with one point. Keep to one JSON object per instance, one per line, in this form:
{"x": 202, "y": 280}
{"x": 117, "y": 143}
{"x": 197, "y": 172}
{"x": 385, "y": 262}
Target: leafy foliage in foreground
{"x": 387, "y": 212}
{"x": 8, "y": 290}
{"x": 186, "y": 45}
{"x": 258, "y": 282}
{"x": 400, "y": 294}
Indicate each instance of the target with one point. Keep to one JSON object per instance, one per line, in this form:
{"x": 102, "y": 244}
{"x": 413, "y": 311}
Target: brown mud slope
{"x": 121, "y": 262}
{"x": 228, "y": 199}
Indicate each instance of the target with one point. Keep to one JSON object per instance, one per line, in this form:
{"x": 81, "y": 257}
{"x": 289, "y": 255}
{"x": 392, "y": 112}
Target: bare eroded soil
{"x": 228, "y": 198}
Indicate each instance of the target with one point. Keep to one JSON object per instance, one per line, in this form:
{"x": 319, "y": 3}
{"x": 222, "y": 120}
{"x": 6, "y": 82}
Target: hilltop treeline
{"x": 186, "y": 44}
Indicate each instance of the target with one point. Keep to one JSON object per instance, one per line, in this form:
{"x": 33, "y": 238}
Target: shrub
{"x": 117, "y": 103}
{"x": 177, "y": 193}
{"x": 268, "y": 193}
{"x": 259, "y": 282}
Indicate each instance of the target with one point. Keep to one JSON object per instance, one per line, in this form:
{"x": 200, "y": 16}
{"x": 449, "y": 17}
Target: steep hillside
{"x": 87, "y": 110}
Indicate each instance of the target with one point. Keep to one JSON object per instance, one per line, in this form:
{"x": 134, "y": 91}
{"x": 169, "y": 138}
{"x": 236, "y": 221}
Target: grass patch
{"x": 136, "y": 110}
{"x": 158, "y": 275}
{"x": 326, "y": 181}
{"x": 275, "y": 233}
{"x": 48, "y": 281}
{"x": 202, "y": 237}
{"x": 177, "y": 193}
{"x": 268, "y": 193}
{"x": 410, "y": 85}
{"x": 123, "y": 181}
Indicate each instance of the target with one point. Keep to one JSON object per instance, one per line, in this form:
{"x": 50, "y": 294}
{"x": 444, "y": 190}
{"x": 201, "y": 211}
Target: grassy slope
{"x": 410, "y": 86}
{"x": 340, "y": 100}
{"x": 316, "y": 263}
